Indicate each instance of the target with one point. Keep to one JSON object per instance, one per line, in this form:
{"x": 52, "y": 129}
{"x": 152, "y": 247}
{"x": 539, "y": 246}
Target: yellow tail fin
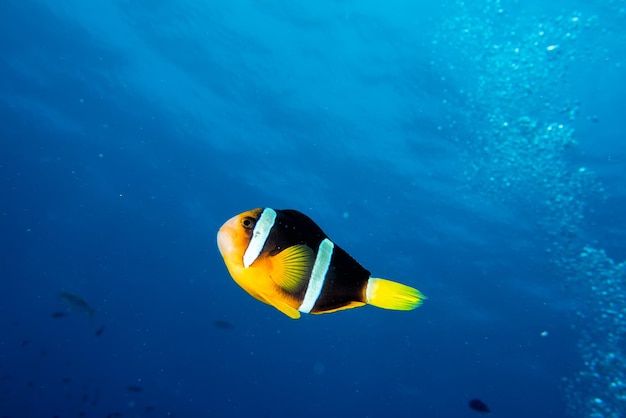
{"x": 391, "y": 295}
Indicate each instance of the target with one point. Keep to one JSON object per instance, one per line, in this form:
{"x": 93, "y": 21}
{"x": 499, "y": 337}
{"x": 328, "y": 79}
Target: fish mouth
{"x": 225, "y": 235}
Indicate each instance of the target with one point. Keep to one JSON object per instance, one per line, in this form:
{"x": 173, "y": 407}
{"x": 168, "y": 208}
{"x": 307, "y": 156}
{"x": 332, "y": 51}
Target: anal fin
{"x": 341, "y": 308}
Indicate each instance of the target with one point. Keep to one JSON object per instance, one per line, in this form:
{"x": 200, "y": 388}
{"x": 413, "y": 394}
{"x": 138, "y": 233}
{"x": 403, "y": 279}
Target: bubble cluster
{"x": 517, "y": 94}
{"x": 521, "y": 122}
{"x": 601, "y": 283}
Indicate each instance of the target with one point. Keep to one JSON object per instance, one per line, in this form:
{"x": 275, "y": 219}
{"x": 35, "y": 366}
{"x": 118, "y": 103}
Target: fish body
{"x": 284, "y": 259}
{"x": 77, "y": 303}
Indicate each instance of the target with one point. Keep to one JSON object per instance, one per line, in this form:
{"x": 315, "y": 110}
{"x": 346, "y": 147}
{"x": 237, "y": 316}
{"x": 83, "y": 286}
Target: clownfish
{"x": 282, "y": 258}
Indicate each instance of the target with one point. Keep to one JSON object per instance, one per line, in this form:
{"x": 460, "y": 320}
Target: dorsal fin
{"x": 291, "y": 267}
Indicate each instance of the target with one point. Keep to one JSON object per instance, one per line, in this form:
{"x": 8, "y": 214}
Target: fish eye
{"x": 248, "y": 222}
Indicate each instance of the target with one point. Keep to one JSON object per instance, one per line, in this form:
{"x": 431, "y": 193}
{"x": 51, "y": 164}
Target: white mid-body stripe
{"x": 260, "y": 233}
{"x": 318, "y": 275}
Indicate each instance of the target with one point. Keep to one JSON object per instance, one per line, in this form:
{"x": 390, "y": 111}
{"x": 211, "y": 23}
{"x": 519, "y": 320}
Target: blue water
{"x": 474, "y": 150}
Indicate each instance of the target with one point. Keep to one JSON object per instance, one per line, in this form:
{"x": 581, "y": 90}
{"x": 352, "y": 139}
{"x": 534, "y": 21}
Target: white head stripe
{"x": 260, "y": 233}
{"x": 318, "y": 275}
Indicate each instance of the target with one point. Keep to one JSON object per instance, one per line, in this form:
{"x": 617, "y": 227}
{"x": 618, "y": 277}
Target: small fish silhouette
{"x": 78, "y": 304}
{"x": 223, "y": 325}
{"x": 479, "y": 406}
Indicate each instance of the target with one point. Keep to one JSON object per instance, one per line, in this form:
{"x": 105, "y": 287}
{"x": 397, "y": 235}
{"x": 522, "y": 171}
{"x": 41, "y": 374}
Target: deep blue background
{"x": 130, "y": 131}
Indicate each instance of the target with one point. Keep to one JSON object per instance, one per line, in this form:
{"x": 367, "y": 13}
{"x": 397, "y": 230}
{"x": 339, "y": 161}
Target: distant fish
{"x": 24, "y": 343}
{"x": 134, "y": 389}
{"x": 149, "y": 409}
{"x": 479, "y": 406}
{"x": 78, "y": 304}
{"x": 284, "y": 259}
{"x": 100, "y": 331}
{"x": 66, "y": 380}
{"x": 223, "y": 325}
{"x": 58, "y": 314}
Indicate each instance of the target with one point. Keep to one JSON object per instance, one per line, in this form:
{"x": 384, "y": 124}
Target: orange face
{"x": 233, "y": 239}
{"x": 241, "y": 240}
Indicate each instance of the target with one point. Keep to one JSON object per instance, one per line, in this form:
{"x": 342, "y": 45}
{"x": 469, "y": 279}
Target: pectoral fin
{"x": 291, "y": 268}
